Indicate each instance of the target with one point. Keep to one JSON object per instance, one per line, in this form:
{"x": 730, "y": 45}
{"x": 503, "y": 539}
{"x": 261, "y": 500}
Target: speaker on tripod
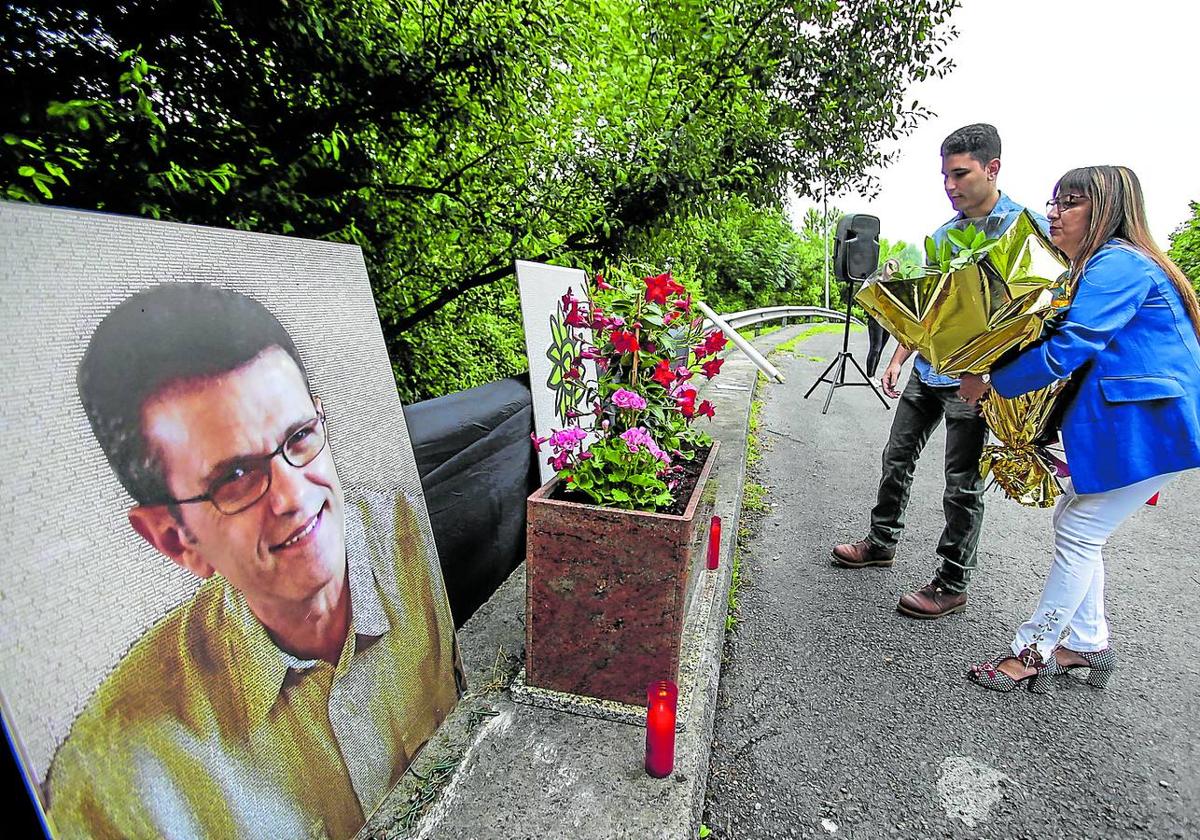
{"x": 855, "y": 258}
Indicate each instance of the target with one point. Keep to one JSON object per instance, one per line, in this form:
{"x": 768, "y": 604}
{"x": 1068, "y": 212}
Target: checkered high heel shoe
{"x": 1100, "y": 662}
{"x": 989, "y": 675}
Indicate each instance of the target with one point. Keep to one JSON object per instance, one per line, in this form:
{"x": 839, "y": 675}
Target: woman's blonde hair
{"x": 1119, "y": 212}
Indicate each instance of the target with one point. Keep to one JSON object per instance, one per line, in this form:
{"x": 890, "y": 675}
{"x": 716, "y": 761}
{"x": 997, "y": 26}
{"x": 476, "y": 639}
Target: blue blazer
{"x": 1129, "y": 341}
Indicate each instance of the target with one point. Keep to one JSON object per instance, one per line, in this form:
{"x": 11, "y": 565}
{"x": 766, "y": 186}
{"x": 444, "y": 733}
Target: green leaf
{"x": 931, "y": 249}
{"x": 958, "y": 237}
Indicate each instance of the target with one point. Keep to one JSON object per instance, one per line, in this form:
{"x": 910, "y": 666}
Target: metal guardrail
{"x": 752, "y": 317}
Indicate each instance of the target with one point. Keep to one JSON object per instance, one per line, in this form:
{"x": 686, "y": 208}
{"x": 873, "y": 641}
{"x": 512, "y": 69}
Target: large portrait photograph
{"x": 223, "y": 609}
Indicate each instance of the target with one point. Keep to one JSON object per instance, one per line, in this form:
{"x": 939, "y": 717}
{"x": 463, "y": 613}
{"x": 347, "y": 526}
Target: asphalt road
{"x": 840, "y": 718}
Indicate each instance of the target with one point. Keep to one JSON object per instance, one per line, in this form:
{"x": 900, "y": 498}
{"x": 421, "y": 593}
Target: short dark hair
{"x": 979, "y": 140}
{"x": 164, "y": 335}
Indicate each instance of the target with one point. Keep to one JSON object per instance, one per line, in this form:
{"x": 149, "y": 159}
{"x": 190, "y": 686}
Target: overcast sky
{"x": 1067, "y": 83}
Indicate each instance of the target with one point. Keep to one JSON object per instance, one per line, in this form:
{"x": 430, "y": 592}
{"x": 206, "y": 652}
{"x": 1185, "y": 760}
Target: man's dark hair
{"x": 164, "y": 335}
{"x": 979, "y": 140}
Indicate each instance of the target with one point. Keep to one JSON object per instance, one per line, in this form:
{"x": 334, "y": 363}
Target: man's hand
{"x": 891, "y": 376}
{"x": 972, "y": 387}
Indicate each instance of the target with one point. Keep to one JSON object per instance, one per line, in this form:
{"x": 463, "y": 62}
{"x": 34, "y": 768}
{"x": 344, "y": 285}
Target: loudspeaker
{"x": 856, "y": 247}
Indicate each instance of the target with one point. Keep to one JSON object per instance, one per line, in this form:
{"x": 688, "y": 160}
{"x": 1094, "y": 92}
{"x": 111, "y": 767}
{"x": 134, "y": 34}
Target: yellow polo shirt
{"x": 206, "y": 729}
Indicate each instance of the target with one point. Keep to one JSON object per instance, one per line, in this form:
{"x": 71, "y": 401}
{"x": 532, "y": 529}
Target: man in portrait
{"x": 289, "y": 694}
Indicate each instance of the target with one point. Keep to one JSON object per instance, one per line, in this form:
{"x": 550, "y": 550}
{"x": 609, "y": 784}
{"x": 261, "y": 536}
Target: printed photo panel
{"x": 223, "y": 611}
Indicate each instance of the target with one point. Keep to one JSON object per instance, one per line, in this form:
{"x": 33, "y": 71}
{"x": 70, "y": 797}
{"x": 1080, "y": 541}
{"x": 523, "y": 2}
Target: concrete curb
{"x": 499, "y": 768}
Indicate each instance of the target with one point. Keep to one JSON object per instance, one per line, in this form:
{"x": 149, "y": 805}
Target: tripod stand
{"x": 838, "y": 380}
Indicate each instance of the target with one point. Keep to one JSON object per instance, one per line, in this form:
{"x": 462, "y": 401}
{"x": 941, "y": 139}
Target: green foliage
{"x": 646, "y": 345}
{"x": 448, "y": 139}
{"x": 1185, "y": 246}
{"x": 614, "y": 476}
{"x": 959, "y": 249}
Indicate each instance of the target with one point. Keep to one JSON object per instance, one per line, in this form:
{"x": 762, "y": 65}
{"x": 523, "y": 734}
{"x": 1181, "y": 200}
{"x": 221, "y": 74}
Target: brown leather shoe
{"x": 932, "y": 601}
{"x": 860, "y": 554}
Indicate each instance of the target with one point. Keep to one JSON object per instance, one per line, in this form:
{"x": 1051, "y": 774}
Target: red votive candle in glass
{"x": 714, "y": 542}
{"x": 660, "y": 728}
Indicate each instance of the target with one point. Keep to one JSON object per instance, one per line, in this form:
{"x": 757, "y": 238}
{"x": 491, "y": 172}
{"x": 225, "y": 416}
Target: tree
{"x": 1185, "y": 246}
{"x": 449, "y": 138}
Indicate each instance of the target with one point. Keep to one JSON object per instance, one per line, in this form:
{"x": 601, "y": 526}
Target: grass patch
{"x": 753, "y": 448}
{"x": 754, "y": 503}
{"x": 754, "y": 498}
{"x": 789, "y": 346}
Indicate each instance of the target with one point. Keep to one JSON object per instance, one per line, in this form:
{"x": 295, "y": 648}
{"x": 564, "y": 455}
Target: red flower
{"x": 712, "y": 367}
{"x": 705, "y": 408}
{"x": 659, "y": 287}
{"x": 714, "y": 342}
{"x": 624, "y": 341}
{"x": 663, "y": 374}
{"x": 600, "y": 284}
{"x": 575, "y": 317}
{"x": 684, "y": 304}
{"x": 687, "y": 403}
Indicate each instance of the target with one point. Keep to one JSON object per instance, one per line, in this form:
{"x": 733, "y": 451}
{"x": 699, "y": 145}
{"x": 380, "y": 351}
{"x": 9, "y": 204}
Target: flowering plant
{"x": 629, "y": 427}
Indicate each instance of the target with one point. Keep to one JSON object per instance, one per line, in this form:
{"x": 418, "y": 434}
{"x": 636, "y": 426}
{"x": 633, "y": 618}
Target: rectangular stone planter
{"x": 607, "y": 591}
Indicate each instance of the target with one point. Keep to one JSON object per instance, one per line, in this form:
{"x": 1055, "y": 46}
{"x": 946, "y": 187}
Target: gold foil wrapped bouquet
{"x": 1021, "y": 464}
{"x": 979, "y": 297}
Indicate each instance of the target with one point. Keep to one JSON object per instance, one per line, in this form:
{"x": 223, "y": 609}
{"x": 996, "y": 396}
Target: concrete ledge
{"x": 498, "y": 768}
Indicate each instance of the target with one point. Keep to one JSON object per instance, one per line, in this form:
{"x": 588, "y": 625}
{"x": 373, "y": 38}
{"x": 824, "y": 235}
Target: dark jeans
{"x": 918, "y": 413}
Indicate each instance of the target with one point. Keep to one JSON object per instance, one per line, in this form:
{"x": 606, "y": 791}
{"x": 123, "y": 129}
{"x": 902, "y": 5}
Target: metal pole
{"x": 825, "y": 236}
{"x": 739, "y": 342}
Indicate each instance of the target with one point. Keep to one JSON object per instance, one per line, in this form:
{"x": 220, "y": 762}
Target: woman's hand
{"x": 971, "y": 387}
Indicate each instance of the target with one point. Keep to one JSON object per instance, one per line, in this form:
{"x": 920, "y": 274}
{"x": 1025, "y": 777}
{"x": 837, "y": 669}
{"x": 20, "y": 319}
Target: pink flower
{"x": 567, "y": 438}
{"x": 537, "y": 441}
{"x": 638, "y": 437}
{"x": 600, "y": 284}
{"x": 628, "y": 399}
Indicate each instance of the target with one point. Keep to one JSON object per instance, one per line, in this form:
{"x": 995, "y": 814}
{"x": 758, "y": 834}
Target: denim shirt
{"x": 1003, "y": 214}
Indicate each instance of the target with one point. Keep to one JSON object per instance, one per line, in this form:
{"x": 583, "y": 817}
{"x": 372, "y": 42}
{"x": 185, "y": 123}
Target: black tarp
{"x": 477, "y": 466}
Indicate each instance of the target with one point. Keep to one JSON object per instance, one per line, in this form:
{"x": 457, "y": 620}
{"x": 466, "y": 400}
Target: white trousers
{"x": 1073, "y": 597}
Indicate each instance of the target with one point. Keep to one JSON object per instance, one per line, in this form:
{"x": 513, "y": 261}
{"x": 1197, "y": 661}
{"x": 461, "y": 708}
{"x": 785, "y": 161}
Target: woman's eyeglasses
{"x": 1063, "y": 203}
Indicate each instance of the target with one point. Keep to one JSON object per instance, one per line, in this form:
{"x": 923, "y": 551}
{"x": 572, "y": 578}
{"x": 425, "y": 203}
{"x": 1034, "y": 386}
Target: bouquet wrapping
{"x": 979, "y": 298}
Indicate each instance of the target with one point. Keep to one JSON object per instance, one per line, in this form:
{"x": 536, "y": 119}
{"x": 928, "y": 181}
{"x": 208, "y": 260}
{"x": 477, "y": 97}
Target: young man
{"x": 970, "y": 168}
{"x": 288, "y": 695}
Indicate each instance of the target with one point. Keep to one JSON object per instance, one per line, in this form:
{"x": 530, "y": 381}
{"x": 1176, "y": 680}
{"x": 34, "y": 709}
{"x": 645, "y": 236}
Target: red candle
{"x": 714, "y": 542}
{"x": 660, "y": 728}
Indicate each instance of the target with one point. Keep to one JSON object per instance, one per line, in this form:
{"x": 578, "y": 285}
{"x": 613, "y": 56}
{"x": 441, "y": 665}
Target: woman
{"x": 1130, "y": 339}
